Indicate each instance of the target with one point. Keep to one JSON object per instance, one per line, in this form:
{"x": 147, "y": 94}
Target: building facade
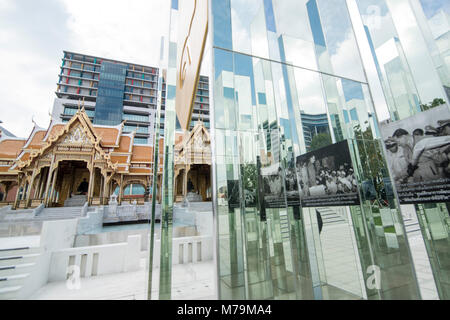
{"x": 74, "y": 159}
{"x": 115, "y": 91}
{"x": 112, "y": 91}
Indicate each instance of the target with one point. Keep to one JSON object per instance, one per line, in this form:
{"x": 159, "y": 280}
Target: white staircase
{"x": 75, "y": 201}
{"x": 412, "y": 226}
{"x": 329, "y": 216}
{"x": 60, "y": 213}
{"x": 16, "y": 265}
{"x": 284, "y": 225}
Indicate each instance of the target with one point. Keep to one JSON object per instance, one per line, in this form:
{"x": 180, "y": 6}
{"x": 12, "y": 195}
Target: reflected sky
{"x": 431, "y": 7}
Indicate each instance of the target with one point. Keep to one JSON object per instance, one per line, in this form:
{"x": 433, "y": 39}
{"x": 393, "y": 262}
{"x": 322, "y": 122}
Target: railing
{"x": 189, "y": 249}
{"x": 96, "y": 260}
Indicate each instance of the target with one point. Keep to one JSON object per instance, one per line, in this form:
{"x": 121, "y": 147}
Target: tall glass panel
{"x": 286, "y": 86}
{"x": 409, "y": 43}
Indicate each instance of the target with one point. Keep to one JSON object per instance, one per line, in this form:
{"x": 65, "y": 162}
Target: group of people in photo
{"x": 322, "y": 177}
{"x": 421, "y": 154}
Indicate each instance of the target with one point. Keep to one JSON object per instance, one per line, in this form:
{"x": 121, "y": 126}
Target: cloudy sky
{"x": 33, "y": 35}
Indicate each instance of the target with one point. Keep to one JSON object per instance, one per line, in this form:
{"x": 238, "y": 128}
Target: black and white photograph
{"x": 326, "y": 177}
{"x": 273, "y": 186}
{"x": 292, "y": 193}
{"x": 418, "y": 153}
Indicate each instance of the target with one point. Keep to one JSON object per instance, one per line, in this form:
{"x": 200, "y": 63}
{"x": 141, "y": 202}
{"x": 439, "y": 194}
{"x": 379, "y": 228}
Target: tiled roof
{"x": 124, "y": 145}
{"x": 141, "y": 170}
{"x": 109, "y": 135}
{"x": 36, "y": 142}
{"x": 119, "y": 159}
{"x": 11, "y": 148}
{"x": 142, "y": 154}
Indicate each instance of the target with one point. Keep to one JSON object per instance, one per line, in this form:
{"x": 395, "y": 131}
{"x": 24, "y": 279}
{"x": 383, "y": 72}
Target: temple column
{"x": 42, "y": 189}
{"x": 184, "y": 183}
{"x": 175, "y": 186}
{"x": 49, "y": 178}
{"x": 121, "y": 189}
{"x": 38, "y": 187}
{"x": 102, "y": 182}
{"x": 105, "y": 190}
{"x": 43, "y": 183}
{"x": 16, "y": 200}
{"x": 91, "y": 185}
{"x": 30, "y": 188}
{"x": 53, "y": 187}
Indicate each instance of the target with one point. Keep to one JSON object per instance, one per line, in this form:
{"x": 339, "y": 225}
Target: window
{"x": 131, "y": 128}
{"x": 135, "y": 117}
{"x": 140, "y": 140}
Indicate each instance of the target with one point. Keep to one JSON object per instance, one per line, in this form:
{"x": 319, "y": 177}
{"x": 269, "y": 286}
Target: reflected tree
{"x": 320, "y": 140}
{"x": 433, "y": 104}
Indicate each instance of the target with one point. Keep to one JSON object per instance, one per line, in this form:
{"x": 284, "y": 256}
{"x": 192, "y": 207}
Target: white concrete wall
{"x": 92, "y": 222}
{"x": 112, "y": 258}
{"x": 55, "y": 235}
{"x": 204, "y": 223}
{"x": 114, "y": 237}
{"x": 186, "y": 250}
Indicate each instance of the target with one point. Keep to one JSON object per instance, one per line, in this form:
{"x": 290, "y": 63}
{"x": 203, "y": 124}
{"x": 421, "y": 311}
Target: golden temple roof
{"x": 116, "y": 148}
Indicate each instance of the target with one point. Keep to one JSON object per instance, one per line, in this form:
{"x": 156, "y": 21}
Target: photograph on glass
{"x": 418, "y": 154}
{"x": 326, "y": 177}
{"x": 272, "y": 178}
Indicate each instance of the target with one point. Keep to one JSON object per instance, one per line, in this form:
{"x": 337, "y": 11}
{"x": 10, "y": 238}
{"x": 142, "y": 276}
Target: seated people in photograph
{"x": 397, "y": 161}
{"x": 331, "y": 185}
{"x": 429, "y": 158}
{"x": 424, "y": 153}
{"x": 83, "y": 187}
{"x": 311, "y": 172}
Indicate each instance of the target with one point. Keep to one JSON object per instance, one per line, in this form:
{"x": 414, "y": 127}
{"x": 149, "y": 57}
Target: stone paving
{"x": 189, "y": 282}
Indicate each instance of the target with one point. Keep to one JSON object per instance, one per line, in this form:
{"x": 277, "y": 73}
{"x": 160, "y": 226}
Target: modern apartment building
{"x": 313, "y": 124}
{"x": 114, "y": 91}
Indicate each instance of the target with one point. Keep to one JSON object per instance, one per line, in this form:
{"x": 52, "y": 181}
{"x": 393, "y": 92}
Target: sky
{"x": 34, "y": 33}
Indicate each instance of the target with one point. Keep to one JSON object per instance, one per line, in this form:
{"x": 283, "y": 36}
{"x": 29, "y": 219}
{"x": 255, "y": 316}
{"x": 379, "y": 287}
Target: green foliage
{"x": 435, "y": 103}
{"x": 319, "y": 141}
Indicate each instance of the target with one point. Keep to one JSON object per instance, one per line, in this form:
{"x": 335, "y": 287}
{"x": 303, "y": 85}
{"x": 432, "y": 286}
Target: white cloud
{"x": 33, "y": 35}
{"x": 116, "y": 29}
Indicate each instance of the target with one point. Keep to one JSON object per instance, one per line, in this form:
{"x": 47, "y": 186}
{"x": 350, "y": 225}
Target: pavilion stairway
{"x": 60, "y": 213}
{"x": 75, "y": 201}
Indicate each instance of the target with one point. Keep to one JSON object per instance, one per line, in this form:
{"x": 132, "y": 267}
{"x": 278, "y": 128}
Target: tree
{"x": 319, "y": 141}
{"x": 435, "y": 103}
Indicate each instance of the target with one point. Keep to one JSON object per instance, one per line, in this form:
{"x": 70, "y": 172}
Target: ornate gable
{"x": 196, "y": 147}
{"x": 77, "y": 135}
{"x": 75, "y": 140}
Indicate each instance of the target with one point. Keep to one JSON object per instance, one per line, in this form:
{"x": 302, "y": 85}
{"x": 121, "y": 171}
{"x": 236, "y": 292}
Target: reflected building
{"x": 313, "y": 124}
{"x": 279, "y": 79}
{"x": 409, "y": 41}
